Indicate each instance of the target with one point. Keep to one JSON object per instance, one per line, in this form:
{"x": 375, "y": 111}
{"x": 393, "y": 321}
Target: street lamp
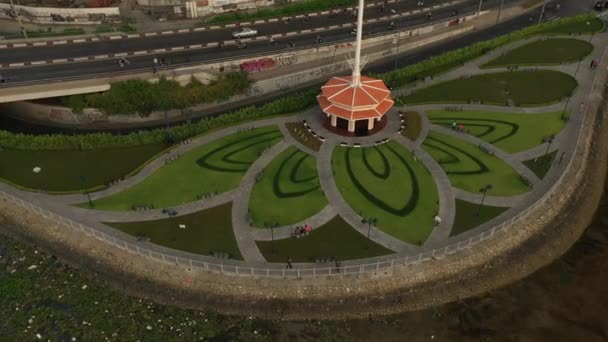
{"x": 542, "y": 12}
{"x": 369, "y": 221}
{"x": 83, "y": 179}
{"x": 484, "y": 190}
{"x": 549, "y": 142}
{"x": 502, "y": 2}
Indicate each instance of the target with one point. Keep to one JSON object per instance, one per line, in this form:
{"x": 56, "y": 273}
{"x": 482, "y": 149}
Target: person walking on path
{"x": 289, "y": 265}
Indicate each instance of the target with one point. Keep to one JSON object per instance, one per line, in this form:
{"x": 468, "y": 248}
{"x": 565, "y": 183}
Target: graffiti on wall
{"x": 286, "y": 60}
{"x": 258, "y": 65}
{"x": 344, "y": 45}
{"x": 264, "y": 64}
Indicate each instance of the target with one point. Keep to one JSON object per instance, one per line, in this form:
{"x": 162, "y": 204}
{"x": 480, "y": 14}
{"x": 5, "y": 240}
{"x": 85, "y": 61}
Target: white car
{"x": 244, "y": 33}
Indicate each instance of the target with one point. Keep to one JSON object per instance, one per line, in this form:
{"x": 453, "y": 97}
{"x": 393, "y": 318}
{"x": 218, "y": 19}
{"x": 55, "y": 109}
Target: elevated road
{"x": 74, "y": 64}
{"x": 214, "y": 34}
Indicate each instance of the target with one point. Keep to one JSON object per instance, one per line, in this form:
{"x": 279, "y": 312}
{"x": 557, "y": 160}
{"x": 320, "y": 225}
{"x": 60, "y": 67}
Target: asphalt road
{"x": 191, "y": 38}
{"x": 104, "y": 67}
{"x": 387, "y": 65}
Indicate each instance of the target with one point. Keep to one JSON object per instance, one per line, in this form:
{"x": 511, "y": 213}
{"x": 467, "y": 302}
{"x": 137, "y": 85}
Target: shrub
{"x": 287, "y": 104}
{"x": 285, "y": 10}
{"x": 455, "y": 58}
{"x": 142, "y": 97}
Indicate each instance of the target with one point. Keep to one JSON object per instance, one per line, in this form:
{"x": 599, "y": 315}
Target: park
{"x": 469, "y": 151}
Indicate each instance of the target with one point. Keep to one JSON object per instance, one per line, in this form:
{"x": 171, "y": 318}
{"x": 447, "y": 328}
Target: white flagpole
{"x": 357, "y": 63}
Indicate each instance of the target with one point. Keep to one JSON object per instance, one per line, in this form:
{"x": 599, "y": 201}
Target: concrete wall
{"x": 53, "y": 15}
{"x": 285, "y": 79}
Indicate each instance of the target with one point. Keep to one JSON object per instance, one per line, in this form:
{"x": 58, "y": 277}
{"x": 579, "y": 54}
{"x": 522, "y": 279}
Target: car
{"x": 244, "y": 33}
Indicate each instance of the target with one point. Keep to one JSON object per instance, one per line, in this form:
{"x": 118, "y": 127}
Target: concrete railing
{"x": 566, "y": 184}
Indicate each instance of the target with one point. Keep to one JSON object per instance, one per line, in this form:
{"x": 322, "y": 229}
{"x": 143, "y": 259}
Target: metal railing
{"x": 569, "y": 178}
{"x": 572, "y": 173}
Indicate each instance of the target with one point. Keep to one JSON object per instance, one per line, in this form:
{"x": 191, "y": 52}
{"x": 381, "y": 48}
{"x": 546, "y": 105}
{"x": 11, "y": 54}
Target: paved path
{"x": 447, "y": 206}
{"x": 156, "y": 164}
{"x": 247, "y": 235}
{"x": 515, "y": 164}
{"x": 240, "y": 207}
{"x": 286, "y": 232}
{"x": 334, "y": 197}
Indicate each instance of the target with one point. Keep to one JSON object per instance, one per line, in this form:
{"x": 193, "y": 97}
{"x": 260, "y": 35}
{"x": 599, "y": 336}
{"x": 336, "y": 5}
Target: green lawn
{"x": 541, "y": 166}
{"x": 207, "y": 232}
{"x": 469, "y": 168}
{"x": 511, "y": 132}
{"x": 214, "y": 167}
{"x": 62, "y": 170}
{"x": 593, "y": 25}
{"x": 385, "y": 182}
{"x": 523, "y": 88}
{"x": 413, "y": 125}
{"x": 288, "y": 191}
{"x": 469, "y": 216}
{"x": 335, "y": 239}
{"x": 544, "y": 52}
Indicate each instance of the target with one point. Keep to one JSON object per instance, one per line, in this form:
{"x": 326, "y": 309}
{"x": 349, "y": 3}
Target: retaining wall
{"x": 52, "y": 15}
{"x": 285, "y": 80}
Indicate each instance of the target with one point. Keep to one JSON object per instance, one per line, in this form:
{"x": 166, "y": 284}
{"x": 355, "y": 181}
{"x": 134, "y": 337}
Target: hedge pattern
{"x": 284, "y": 105}
{"x": 411, "y": 202}
{"x": 456, "y": 58}
{"x": 225, "y": 157}
{"x": 489, "y": 125}
{"x": 304, "y": 183}
{"x": 473, "y": 165}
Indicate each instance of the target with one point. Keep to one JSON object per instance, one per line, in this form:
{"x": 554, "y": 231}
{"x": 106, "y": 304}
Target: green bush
{"x": 455, "y": 58}
{"x": 287, "y": 104}
{"x": 285, "y": 10}
{"x": 142, "y": 97}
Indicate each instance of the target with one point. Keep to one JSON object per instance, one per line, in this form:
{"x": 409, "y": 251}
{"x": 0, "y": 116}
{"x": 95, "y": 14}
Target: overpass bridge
{"x": 25, "y": 64}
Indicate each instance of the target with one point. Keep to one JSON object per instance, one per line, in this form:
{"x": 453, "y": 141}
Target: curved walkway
{"x": 440, "y": 236}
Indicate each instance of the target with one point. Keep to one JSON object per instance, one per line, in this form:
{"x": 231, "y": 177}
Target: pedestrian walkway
{"x": 447, "y": 206}
{"x": 240, "y": 207}
{"x": 514, "y": 163}
{"x": 337, "y": 205}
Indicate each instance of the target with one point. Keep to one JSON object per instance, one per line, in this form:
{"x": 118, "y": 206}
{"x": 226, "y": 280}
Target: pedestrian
{"x": 154, "y": 70}
{"x": 561, "y": 157}
{"x": 155, "y": 61}
{"x": 592, "y": 64}
{"x": 454, "y": 125}
{"x": 289, "y": 265}
{"x": 437, "y": 220}
{"x": 307, "y": 229}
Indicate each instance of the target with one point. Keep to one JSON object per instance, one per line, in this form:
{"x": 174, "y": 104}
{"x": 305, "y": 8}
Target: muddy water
{"x": 565, "y": 301}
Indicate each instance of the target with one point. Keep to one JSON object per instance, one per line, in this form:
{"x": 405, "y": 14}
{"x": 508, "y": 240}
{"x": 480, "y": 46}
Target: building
{"x": 355, "y": 103}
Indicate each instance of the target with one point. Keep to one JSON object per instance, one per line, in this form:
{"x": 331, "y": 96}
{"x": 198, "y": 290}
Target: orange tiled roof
{"x": 352, "y": 114}
{"x": 369, "y": 100}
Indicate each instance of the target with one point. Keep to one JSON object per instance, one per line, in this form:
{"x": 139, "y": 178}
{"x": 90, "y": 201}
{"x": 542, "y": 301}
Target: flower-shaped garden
{"x": 462, "y": 153}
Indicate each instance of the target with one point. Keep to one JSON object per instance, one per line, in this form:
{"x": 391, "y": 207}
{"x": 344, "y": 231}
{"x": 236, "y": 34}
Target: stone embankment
{"x": 539, "y": 238}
